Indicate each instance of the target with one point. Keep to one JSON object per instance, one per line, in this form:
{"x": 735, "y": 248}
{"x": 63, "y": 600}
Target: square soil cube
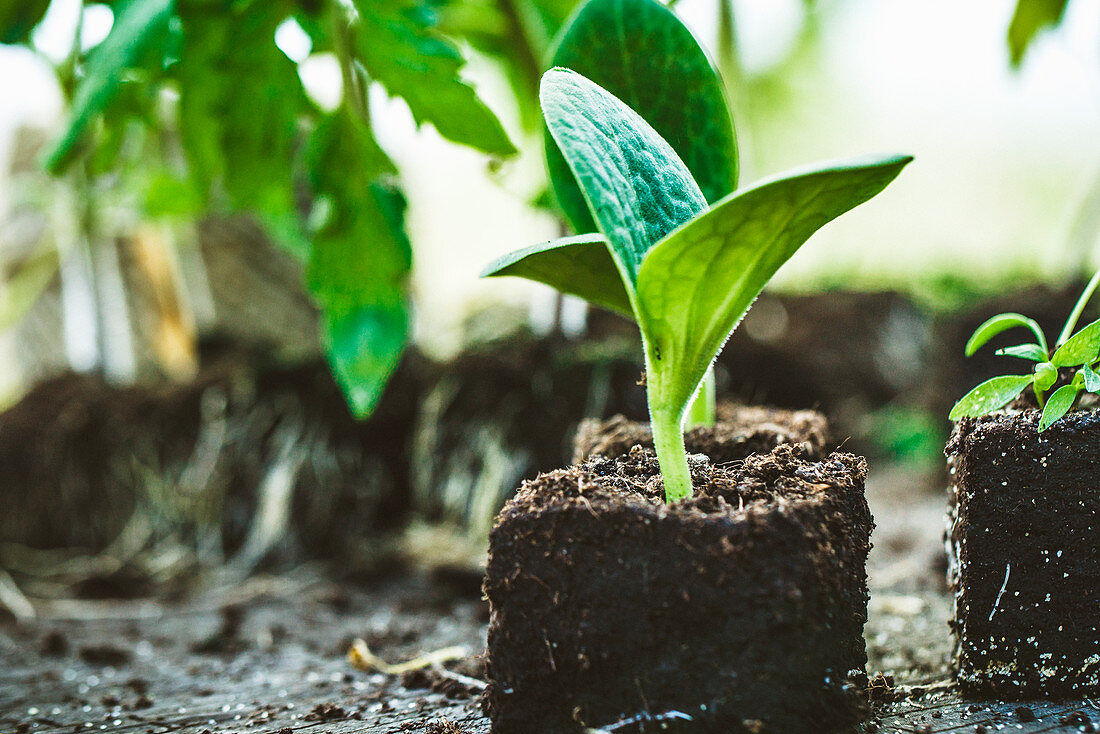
{"x": 740, "y": 609}
{"x": 1024, "y": 554}
{"x": 740, "y": 430}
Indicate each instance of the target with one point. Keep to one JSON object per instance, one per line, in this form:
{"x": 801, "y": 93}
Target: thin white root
{"x": 362, "y": 658}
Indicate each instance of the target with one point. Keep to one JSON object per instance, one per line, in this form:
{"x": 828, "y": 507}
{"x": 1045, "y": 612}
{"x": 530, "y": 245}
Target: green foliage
{"x": 639, "y": 51}
{"x": 18, "y": 17}
{"x": 1081, "y": 350}
{"x": 688, "y": 286}
{"x": 253, "y": 142}
{"x": 1030, "y": 18}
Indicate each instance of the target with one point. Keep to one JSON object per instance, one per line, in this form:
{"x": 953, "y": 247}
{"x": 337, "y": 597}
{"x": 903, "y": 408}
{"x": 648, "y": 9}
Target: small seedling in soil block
{"x": 646, "y": 590}
{"x": 1024, "y": 536}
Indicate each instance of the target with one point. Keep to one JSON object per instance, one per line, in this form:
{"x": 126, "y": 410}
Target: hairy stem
{"x": 1078, "y": 309}
{"x": 702, "y": 410}
{"x": 668, "y": 439}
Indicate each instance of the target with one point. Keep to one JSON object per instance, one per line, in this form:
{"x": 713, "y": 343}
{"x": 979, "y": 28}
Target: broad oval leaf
{"x": 1092, "y": 380}
{"x": 673, "y": 85}
{"x": 637, "y": 187}
{"x": 141, "y": 28}
{"x": 1081, "y": 348}
{"x": 696, "y": 285}
{"x": 581, "y": 266}
{"x": 1058, "y": 404}
{"x": 1024, "y": 351}
{"x": 1046, "y": 374}
{"x": 1004, "y": 322}
{"x": 989, "y": 396}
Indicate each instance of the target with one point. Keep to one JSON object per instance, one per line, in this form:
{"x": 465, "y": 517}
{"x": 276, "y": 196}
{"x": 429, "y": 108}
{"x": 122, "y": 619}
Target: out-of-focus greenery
{"x": 194, "y": 100}
{"x": 1031, "y": 16}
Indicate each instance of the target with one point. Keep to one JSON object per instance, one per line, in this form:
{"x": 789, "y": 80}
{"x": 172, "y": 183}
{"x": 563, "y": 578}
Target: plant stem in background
{"x": 703, "y": 408}
{"x": 1078, "y": 309}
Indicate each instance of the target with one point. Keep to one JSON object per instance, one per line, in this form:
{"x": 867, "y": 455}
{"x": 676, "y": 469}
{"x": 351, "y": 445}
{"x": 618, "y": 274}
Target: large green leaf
{"x": 640, "y": 51}
{"x": 400, "y": 47}
{"x": 140, "y": 34}
{"x": 240, "y": 107}
{"x": 18, "y": 17}
{"x": 1003, "y": 322}
{"x": 360, "y": 260}
{"x": 636, "y": 186}
{"x": 1081, "y": 348}
{"x": 990, "y": 395}
{"x": 1031, "y": 16}
{"x": 696, "y": 285}
{"x": 1058, "y": 404}
{"x": 581, "y": 266}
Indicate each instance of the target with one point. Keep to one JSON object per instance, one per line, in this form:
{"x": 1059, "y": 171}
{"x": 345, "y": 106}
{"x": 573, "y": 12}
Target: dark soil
{"x": 740, "y": 609}
{"x": 1026, "y": 554}
{"x": 739, "y": 431}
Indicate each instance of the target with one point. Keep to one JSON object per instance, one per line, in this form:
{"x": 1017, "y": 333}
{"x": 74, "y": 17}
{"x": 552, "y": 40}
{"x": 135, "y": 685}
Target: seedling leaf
{"x": 1004, "y": 322}
{"x": 1080, "y": 348}
{"x": 990, "y": 395}
{"x": 1058, "y": 404}
{"x": 1092, "y": 380}
{"x": 696, "y": 285}
{"x": 141, "y": 28}
{"x": 1024, "y": 351}
{"x": 673, "y": 86}
{"x": 636, "y": 186}
{"x": 582, "y": 266}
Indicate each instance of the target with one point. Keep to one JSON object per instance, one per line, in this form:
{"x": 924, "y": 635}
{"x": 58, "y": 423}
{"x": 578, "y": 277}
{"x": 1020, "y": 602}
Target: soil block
{"x": 1024, "y": 554}
{"x": 740, "y": 609}
{"x": 739, "y": 431}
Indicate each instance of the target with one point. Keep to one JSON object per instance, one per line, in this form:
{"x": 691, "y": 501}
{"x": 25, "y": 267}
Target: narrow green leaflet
{"x": 989, "y": 396}
{"x": 1024, "y": 351}
{"x": 360, "y": 260}
{"x": 637, "y": 187}
{"x": 696, "y": 285}
{"x": 581, "y": 266}
{"x": 1031, "y": 16}
{"x": 1092, "y": 380}
{"x": 639, "y": 51}
{"x": 1058, "y": 404}
{"x": 140, "y": 33}
{"x": 1082, "y": 347}
{"x": 400, "y": 47}
{"x": 18, "y": 17}
{"x": 1004, "y": 322}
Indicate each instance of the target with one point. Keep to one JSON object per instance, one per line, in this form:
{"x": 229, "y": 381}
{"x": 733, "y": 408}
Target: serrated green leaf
{"x": 1004, "y": 322}
{"x": 636, "y": 186}
{"x": 241, "y": 103}
{"x": 640, "y": 51}
{"x": 360, "y": 259}
{"x": 1092, "y": 380}
{"x": 18, "y": 17}
{"x": 1058, "y": 404}
{"x": 991, "y": 395}
{"x": 581, "y": 266}
{"x": 1031, "y": 16}
{"x": 400, "y": 46}
{"x": 1082, "y": 347}
{"x": 1024, "y": 351}
{"x": 695, "y": 286}
{"x": 140, "y": 33}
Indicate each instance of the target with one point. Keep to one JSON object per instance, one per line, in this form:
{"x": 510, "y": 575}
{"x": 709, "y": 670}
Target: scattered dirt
{"x": 595, "y": 584}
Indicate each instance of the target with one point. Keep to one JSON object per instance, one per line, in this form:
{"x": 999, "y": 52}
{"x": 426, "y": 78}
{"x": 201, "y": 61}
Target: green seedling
{"x": 687, "y": 271}
{"x": 1079, "y": 350}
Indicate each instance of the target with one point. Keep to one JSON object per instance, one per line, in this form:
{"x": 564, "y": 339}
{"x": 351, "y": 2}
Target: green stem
{"x": 1078, "y": 309}
{"x": 702, "y": 410}
{"x": 668, "y": 440}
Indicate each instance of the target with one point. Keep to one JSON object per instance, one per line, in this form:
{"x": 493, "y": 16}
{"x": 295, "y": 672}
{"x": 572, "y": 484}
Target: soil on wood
{"x": 740, "y": 430}
{"x": 1025, "y": 554}
{"x": 739, "y": 609}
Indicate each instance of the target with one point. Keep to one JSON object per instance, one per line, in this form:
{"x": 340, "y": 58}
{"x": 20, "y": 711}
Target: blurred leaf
{"x": 1003, "y": 322}
{"x": 400, "y": 47}
{"x": 240, "y": 105}
{"x": 22, "y": 289}
{"x": 641, "y": 52}
{"x": 19, "y": 17}
{"x": 139, "y": 36}
{"x": 1031, "y": 16}
{"x": 989, "y": 396}
{"x": 167, "y": 195}
{"x": 581, "y": 266}
{"x": 635, "y": 184}
{"x": 360, "y": 261}
{"x": 1058, "y": 404}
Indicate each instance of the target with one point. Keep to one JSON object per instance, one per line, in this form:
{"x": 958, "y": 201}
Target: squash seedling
{"x": 1079, "y": 350}
{"x": 685, "y": 271}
